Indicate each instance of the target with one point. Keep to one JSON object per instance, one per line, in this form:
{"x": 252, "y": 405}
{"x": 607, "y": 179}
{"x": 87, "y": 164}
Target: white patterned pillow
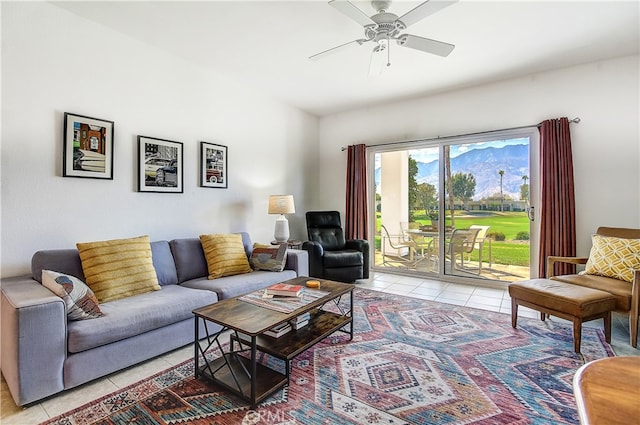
{"x": 79, "y": 298}
{"x": 613, "y": 257}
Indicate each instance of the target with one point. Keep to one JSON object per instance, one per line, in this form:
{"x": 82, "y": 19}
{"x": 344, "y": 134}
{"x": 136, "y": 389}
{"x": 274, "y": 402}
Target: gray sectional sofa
{"x": 43, "y": 353}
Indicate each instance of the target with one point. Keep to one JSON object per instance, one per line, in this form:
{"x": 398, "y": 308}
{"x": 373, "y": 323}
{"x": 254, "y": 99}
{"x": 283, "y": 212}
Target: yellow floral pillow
{"x": 613, "y": 257}
{"x": 225, "y": 255}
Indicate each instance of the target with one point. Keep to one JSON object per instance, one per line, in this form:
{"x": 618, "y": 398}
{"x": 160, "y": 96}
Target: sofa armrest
{"x": 551, "y": 260}
{"x": 315, "y": 251}
{"x": 361, "y": 245}
{"x": 298, "y": 261}
{"x": 34, "y": 339}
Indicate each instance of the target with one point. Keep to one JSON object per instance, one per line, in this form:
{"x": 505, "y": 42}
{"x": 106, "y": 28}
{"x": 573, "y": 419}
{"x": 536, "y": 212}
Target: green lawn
{"x": 510, "y": 224}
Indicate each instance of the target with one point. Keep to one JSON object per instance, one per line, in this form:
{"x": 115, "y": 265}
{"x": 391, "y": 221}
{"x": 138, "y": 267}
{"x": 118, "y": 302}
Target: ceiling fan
{"x": 384, "y": 26}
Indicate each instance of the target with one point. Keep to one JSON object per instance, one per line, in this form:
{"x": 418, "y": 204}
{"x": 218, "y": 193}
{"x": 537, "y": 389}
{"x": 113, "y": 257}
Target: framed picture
{"x": 160, "y": 166}
{"x": 87, "y": 149}
{"x": 213, "y": 165}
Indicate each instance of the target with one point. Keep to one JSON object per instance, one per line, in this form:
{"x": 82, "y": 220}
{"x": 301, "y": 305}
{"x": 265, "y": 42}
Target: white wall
{"x": 55, "y": 62}
{"x": 606, "y": 143}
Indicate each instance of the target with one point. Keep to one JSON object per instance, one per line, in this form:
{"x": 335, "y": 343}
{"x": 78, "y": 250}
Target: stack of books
{"x": 278, "y": 331}
{"x": 300, "y": 321}
{"x": 284, "y": 290}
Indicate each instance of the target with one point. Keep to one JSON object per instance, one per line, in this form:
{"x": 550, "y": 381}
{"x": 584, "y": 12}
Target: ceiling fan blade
{"x": 426, "y": 45}
{"x": 333, "y": 50}
{"x": 423, "y": 10}
{"x": 353, "y": 12}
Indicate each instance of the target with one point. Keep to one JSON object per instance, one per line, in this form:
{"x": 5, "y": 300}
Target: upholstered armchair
{"x": 607, "y": 269}
{"x": 330, "y": 255}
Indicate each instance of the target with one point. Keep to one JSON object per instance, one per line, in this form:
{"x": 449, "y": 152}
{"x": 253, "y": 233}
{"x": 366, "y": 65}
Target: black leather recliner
{"x": 330, "y": 255}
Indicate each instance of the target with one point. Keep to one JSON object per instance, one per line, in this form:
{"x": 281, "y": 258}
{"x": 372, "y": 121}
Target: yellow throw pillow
{"x": 613, "y": 257}
{"x": 118, "y": 268}
{"x": 225, "y": 255}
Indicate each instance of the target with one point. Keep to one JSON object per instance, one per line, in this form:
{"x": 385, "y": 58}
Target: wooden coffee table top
{"x": 253, "y": 320}
{"x": 608, "y": 391}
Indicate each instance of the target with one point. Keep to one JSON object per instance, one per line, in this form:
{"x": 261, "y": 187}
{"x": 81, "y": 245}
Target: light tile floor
{"x": 485, "y": 298}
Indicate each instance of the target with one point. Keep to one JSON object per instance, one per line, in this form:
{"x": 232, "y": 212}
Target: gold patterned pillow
{"x": 118, "y": 268}
{"x": 613, "y": 257}
{"x": 225, "y": 255}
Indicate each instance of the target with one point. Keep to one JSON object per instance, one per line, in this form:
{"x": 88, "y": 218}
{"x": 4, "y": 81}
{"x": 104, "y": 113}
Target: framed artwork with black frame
{"x": 213, "y": 165}
{"x": 160, "y": 165}
{"x": 87, "y": 149}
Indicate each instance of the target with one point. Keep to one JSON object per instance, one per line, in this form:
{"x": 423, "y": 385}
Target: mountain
{"x": 484, "y": 164}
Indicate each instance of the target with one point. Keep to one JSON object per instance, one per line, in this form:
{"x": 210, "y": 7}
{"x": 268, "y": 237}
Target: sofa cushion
{"x": 163, "y": 263}
{"x": 268, "y": 258}
{"x": 232, "y": 286}
{"x": 613, "y": 257}
{"x": 81, "y": 303}
{"x": 135, "y": 315}
{"x": 65, "y": 261}
{"x": 118, "y": 268}
{"x": 619, "y": 288}
{"x": 225, "y": 255}
{"x": 189, "y": 258}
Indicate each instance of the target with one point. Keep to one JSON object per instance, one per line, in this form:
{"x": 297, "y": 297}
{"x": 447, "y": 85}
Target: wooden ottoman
{"x": 572, "y": 302}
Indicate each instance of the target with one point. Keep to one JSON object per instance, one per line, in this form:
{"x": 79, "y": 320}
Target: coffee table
{"x": 237, "y": 369}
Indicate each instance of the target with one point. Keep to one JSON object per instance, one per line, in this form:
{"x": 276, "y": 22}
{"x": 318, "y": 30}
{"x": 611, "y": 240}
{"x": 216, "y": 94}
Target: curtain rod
{"x": 576, "y": 120}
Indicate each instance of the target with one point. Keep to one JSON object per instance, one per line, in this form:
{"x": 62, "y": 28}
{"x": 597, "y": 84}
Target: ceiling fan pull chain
{"x": 388, "y": 52}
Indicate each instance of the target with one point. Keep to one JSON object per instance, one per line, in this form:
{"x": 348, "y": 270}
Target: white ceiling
{"x": 266, "y": 44}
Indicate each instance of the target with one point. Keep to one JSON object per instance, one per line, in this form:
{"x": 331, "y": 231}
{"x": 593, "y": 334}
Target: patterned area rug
{"x": 411, "y": 362}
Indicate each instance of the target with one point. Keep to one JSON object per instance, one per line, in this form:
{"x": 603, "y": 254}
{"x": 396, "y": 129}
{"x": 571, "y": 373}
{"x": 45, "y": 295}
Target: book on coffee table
{"x": 285, "y": 290}
{"x": 278, "y": 331}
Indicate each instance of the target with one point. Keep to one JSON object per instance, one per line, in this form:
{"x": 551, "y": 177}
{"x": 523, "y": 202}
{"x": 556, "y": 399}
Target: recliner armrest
{"x": 361, "y": 245}
{"x": 315, "y": 251}
{"x": 551, "y": 260}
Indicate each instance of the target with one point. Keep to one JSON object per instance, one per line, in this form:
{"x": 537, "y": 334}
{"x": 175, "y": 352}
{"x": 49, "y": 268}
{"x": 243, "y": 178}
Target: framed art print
{"x": 160, "y": 165}
{"x": 87, "y": 149}
{"x": 213, "y": 165}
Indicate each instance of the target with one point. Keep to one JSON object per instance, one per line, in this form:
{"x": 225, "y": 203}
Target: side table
{"x": 607, "y": 391}
{"x": 291, "y": 243}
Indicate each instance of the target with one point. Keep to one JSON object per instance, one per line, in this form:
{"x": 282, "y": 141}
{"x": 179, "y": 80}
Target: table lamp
{"x": 281, "y": 204}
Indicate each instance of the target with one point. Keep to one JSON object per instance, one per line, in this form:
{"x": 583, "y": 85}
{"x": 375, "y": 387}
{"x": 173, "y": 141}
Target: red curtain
{"x": 557, "y": 210}
{"x": 356, "y": 220}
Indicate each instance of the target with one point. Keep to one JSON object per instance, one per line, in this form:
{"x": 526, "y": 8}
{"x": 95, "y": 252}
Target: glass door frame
{"x": 534, "y": 190}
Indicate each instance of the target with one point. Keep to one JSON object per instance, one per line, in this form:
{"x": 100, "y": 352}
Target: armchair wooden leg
{"x": 633, "y": 329}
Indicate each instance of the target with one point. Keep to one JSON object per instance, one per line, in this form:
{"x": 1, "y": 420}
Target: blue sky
{"x": 430, "y": 154}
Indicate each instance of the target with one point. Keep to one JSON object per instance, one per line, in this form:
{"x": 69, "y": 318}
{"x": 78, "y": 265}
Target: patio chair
{"x": 481, "y": 238}
{"x": 462, "y": 242}
{"x": 398, "y": 244}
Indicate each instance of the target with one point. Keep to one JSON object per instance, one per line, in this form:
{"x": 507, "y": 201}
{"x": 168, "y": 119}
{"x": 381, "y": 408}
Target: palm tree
{"x": 501, "y": 172}
{"x": 526, "y": 189}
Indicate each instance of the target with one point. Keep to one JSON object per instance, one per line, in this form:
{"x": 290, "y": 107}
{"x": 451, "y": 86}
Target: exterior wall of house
{"x": 606, "y": 143}
{"x": 55, "y": 62}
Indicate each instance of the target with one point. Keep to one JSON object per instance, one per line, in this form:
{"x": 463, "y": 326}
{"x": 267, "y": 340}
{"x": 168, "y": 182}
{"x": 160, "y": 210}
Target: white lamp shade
{"x": 281, "y": 204}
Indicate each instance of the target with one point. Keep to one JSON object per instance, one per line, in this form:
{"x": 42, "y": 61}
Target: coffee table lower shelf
{"x": 231, "y": 365}
{"x": 321, "y": 325}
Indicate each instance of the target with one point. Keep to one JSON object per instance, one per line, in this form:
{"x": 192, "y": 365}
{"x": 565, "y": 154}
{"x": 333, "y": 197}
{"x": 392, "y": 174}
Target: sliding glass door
{"x": 459, "y": 208}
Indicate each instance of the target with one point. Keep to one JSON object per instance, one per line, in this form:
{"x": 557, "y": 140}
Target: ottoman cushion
{"x": 578, "y": 301}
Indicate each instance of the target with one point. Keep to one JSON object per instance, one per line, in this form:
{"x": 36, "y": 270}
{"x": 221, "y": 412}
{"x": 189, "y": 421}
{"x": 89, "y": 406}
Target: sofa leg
{"x": 514, "y": 312}
{"x": 633, "y": 329}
